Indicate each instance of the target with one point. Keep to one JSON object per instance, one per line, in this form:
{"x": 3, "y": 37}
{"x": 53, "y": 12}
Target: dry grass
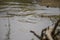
{"x": 51, "y": 3}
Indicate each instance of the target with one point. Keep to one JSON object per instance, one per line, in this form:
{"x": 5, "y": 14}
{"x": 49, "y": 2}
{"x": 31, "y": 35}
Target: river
{"x": 23, "y": 17}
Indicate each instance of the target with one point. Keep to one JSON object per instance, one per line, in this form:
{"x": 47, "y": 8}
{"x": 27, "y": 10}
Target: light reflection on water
{"x": 32, "y": 8}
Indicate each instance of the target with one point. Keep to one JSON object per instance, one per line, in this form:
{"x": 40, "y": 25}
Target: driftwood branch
{"x": 56, "y": 24}
{"x": 35, "y": 34}
{"x": 42, "y": 34}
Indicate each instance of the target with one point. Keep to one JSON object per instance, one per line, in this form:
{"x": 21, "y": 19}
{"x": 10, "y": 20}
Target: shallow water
{"x": 23, "y": 18}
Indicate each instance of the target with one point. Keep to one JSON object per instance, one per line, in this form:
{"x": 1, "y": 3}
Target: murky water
{"x": 24, "y": 17}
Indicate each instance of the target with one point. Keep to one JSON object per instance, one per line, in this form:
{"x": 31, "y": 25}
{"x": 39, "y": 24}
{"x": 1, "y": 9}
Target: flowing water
{"x": 23, "y": 17}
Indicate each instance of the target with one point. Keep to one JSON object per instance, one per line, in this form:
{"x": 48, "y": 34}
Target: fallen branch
{"x": 35, "y": 34}
{"x": 56, "y": 24}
